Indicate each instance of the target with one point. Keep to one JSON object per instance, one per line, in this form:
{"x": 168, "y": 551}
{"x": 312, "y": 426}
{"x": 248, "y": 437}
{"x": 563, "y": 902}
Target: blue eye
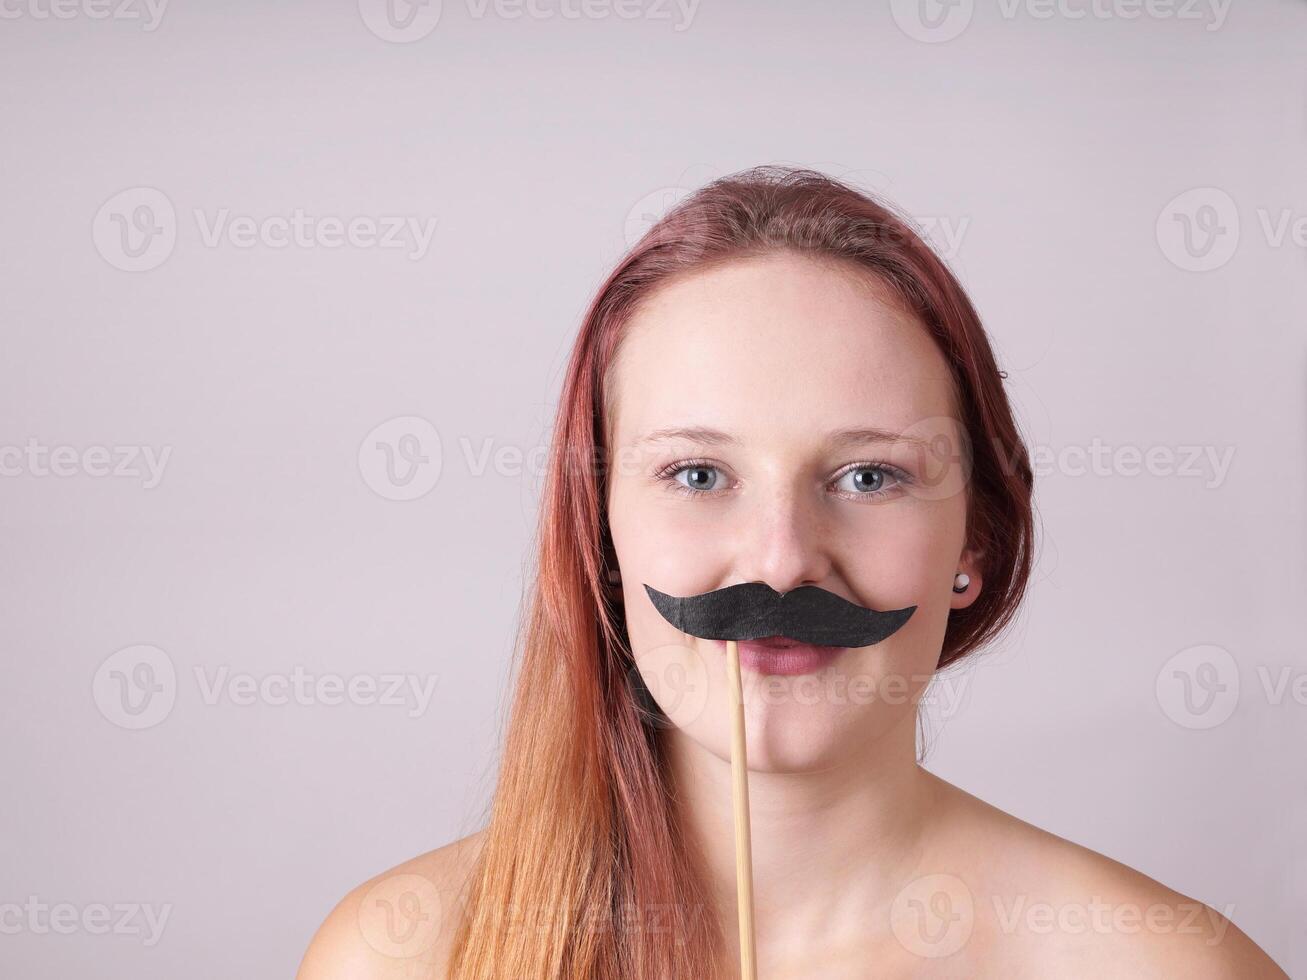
{"x": 692, "y": 477}
{"x": 872, "y": 479}
{"x": 697, "y": 477}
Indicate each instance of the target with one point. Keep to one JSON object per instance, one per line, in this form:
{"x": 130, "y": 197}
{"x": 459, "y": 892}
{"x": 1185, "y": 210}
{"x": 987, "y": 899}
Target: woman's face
{"x": 780, "y": 355}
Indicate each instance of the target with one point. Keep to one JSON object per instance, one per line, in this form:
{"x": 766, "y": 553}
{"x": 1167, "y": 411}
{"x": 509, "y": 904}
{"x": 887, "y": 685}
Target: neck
{"x": 829, "y": 847}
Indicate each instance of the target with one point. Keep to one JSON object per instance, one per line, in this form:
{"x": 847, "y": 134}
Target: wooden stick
{"x": 740, "y": 798}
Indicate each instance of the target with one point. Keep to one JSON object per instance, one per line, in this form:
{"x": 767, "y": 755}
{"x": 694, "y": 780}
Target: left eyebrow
{"x": 853, "y": 437}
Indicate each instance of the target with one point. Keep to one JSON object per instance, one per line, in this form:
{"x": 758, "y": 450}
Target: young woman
{"x": 780, "y": 384}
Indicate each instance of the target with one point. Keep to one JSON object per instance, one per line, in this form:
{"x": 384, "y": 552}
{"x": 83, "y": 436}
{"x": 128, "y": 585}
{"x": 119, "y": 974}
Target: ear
{"x": 970, "y": 564}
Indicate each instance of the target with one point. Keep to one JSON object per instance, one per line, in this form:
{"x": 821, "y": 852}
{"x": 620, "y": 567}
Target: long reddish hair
{"x": 584, "y": 871}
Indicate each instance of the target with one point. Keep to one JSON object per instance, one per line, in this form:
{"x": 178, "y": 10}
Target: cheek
{"x": 659, "y": 540}
{"x": 906, "y": 555}
{"x": 687, "y": 683}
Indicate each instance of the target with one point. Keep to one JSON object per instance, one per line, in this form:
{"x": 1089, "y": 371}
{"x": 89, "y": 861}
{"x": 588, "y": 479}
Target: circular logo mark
{"x": 941, "y": 454}
{"x": 400, "y": 21}
{"x": 400, "y": 459}
{"x": 676, "y": 676}
{"x": 1199, "y": 230}
{"x": 400, "y": 915}
{"x": 932, "y": 916}
{"x": 1199, "y": 687}
{"x": 135, "y": 687}
{"x": 932, "y": 21}
{"x": 136, "y": 229}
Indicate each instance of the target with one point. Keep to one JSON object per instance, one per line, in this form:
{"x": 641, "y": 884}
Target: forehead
{"x": 776, "y": 345}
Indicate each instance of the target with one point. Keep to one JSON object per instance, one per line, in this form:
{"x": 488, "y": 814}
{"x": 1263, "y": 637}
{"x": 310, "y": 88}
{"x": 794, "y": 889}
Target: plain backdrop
{"x": 221, "y": 541}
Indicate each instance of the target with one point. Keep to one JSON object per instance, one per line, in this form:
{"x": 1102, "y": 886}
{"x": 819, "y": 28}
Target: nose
{"x": 784, "y": 540}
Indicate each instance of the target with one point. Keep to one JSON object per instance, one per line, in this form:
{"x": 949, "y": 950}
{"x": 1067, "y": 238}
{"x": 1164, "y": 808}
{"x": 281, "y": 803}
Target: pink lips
{"x": 782, "y": 655}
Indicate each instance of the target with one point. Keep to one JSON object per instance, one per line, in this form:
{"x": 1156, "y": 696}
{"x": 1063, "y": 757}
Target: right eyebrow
{"x": 693, "y": 433}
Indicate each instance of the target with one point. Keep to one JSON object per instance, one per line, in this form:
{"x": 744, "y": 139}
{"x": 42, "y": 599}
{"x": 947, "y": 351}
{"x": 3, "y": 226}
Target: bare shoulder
{"x": 1045, "y": 905}
{"x": 399, "y": 924}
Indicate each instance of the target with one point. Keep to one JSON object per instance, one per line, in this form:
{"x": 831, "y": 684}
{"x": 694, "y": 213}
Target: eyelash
{"x": 669, "y": 473}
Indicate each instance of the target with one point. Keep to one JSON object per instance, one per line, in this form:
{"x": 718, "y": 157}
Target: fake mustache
{"x": 752, "y": 610}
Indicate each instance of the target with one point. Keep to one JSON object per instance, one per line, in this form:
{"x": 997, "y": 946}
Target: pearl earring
{"x": 960, "y": 582}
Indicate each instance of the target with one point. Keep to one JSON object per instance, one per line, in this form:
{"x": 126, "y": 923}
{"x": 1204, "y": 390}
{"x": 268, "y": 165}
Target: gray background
{"x": 1055, "y": 156}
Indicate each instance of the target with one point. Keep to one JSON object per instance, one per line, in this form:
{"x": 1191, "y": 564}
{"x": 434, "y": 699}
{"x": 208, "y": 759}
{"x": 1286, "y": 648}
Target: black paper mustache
{"x": 752, "y": 610}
